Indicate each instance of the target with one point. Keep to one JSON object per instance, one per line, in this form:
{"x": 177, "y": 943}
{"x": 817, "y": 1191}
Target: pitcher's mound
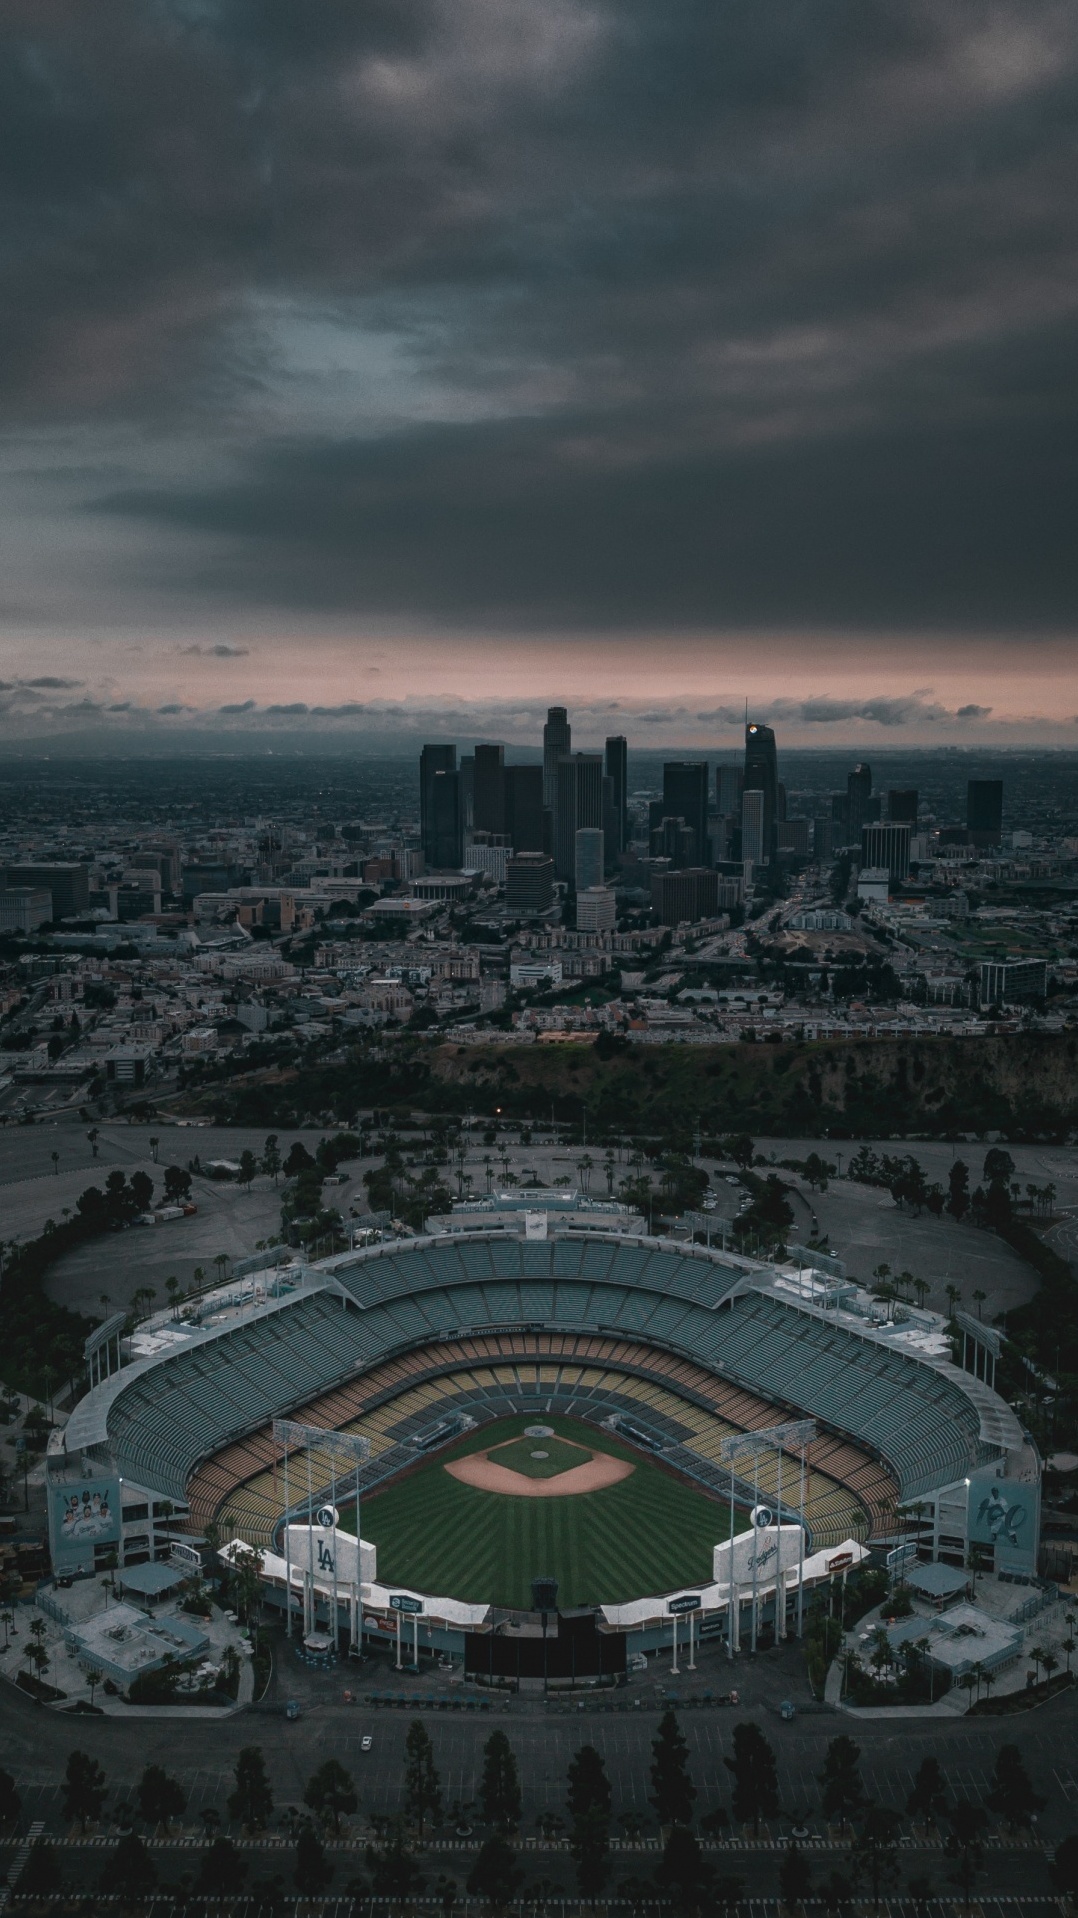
{"x": 480, "y": 1471}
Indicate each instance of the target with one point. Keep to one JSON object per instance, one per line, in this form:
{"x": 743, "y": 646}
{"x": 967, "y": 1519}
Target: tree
{"x": 1012, "y": 1794}
{"x": 93, "y": 1135}
{"x": 672, "y": 1790}
{"x": 298, "y": 1160}
{"x": 756, "y": 1788}
{"x": 964, "y": 1844}
{"x": 10, "y": 1801}
{"x": 874, "y": 1854}
{"x": 248, "y": 1167}
{"x": 589, "y": 1848}
{"x": 682, "y": 1870}
{"x": 740, "y": 1148}
{"x": 331, "y": 1791}
{"x": 154, "y": 1148}
{"x": 222, "y": 1871}
{"x": 958, "y": 1190}
{"x": 40, "y": 1877}
{"x": 1065, "y": 1868}
{"x": 817, "y": 1171}
{"x": 928, "y": 1798}
{"x": 795, "y": 1877}
{"x": 499, "y": 1791}
{"x": 85, "y": 1789}
{"x": 160, "y": 1798}
{"x": 141, "y": 1191}
{"x": 271, "y": 1158}
{"x": 130, "y": 1872}
{"x": 177, "y": 1184}
{"x": 589, "y": 1786}
{"x": 495, "y": 1876}
{"x": 422, "y": 1788}
{"x": 252, "y": 1801}
{"x": 841, "y": 1791}
{"x": 394, "y": 1872}
{"x": 312, "y": 1873}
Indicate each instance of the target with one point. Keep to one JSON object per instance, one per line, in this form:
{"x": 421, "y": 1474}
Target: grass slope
{"x": 648, "y": 1534}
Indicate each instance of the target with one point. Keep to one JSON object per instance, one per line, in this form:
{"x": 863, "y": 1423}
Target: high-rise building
{"x": 793, "y": 836}
{"x": 579, "y": 803}
{"x": 858, "y": 795}
{"x": 596, "y": 909}
{"x": 488, "y": 790}
{"x": 672, "y": 839}
{"x": 902, "y": 805}
{"x": 444, "y": 837}
{"x": 529, "y": 883}
{"x": 685, "y": 797}
{"x": 617, "y": 771}
{"x": 432, "y": 760}
{"x": 886, "y": 846}
{"x": 984, "y": 811}
{"x": 467, "y": 794}
{"x": 753, "y": 826}
{"x": 524, "y": 808}
{"x": 557, "y": 744}
{"x": 680, "y": 896}
{"x": 67, "y": 880}
{"x": 729, "y": 786}
{"x": 588, "y": 857}
{"x": 762, "y": 776}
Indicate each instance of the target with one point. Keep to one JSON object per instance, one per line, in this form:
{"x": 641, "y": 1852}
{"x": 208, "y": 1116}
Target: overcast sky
{"x": 414, "y": 363}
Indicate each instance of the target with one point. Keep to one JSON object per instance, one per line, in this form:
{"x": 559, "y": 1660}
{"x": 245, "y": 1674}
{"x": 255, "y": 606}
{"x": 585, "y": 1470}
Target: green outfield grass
{"x": 650, "y": 1533}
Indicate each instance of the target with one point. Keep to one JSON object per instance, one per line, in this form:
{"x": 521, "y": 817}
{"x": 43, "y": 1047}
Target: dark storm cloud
{"x": 736, "y": 313}
{"x": 220, "y": 651}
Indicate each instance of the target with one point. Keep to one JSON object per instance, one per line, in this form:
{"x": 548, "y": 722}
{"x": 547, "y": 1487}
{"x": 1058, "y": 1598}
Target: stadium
{"x": 661, "y": 1428}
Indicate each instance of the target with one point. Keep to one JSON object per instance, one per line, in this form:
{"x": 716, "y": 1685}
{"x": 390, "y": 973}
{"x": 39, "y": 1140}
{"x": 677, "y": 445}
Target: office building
{"x": 617, "y": 771}
{"x": 887, "y": 845}
{"x": 902, "y": 805}
{"x": 24, "y": 908}
{"x": 753, "y": 827}
{"x": 524, "y": 808}
{"x": 1013, "y": 982}
{"x": 672, "y": 839}
{"x": 685, "y": 784}
{"x": 874, "y": 885}
{"x": 557, "y": 744}
{"x": 433, "y": 759}
{"x": 529, "y": 884}
{"x": 762, "y": 776}
{"x": 858, "y": 796}
{"x": 67, "y": 881}
{"x": 588, "y": 857}
{"x": 729, "y": 786}
{"x": 677, "y": 897}
{"x": 579, "y": 803}
{"x": 488, "y": 790}
{"x": 444, "y": 832}
{"x": 792, "y": 836}
{"x": 596, "y": 909}
{"x": 466, "y": 792}
{"x": 488, "y": 855}
{"x": 825, "y": 837}
{"x": 984, "y": 811}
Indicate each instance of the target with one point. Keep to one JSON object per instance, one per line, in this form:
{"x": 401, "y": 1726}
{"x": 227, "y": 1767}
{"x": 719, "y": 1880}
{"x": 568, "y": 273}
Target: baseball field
{"x": 649, "y": 1532}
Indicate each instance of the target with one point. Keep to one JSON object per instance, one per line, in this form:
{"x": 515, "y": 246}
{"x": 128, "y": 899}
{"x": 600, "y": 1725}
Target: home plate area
{"x": 539, "y": 1465}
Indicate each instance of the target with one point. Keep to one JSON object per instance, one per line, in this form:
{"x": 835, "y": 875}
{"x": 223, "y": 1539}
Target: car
{"x": 730, "y": 1180}
{"x": 366, "y": 1742}
{"x": 291, "y": 1710}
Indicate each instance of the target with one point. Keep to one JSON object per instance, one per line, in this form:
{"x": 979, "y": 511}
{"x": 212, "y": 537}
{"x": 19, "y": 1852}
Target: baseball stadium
{"x": 531, "y": 1399}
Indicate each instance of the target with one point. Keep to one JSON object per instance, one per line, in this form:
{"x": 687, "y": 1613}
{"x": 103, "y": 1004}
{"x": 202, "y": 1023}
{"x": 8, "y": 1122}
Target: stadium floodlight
{"x": 338, "y": 1454}
{"x": 796, "y": 1435}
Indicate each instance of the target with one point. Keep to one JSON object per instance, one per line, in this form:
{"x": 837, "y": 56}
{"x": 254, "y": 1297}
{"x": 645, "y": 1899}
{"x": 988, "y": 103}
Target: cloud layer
{"x": 581, "y": 318}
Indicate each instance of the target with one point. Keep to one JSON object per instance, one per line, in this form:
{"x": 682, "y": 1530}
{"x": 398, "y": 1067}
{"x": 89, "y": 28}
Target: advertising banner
{"x": 330, "y": 1553}
{"x": 1003, "y": 1512}
{"x": 767, "y": 1548}
{"x": 83, "y": 1517}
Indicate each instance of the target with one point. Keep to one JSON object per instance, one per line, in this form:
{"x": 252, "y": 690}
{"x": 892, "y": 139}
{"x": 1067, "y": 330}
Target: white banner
{"x": 328, "y": 1553}
{"x": 766, "y": 1548}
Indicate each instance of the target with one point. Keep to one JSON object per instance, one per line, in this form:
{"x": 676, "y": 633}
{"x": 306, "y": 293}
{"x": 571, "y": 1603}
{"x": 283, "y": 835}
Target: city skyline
{"x": 641, "y": 361}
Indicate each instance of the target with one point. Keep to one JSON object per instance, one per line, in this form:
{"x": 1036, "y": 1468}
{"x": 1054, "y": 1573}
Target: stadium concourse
{"x": 652, "y": 1350}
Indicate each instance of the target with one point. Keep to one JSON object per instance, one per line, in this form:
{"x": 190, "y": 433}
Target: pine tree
{"x": 40, "y": 1877}
{"x": 589, "y": 1848}
{"x": 130, "y": 1872}
{"x": 1012, "y": 1794}
{"x": 160, "y": 1798}
{"x": 756, "y": 1785}
{"x": 422, "y": 1789}
{"x": 874, "y": 1855}
{"x": 928, "y": 1799}
{"x": 495, "y": 1876}
{"x": 673, "y": 1791}
{"x": 682, "y": 1871}
{"x": 222, "y": 1871}
{"x": 252, "y": 1801}
{"x": 330, "y": 1791}
{"x": 499, "y": 1792}
{"x": 589, "y": 1786}
{"x": 85, "y": 1789}
{"x": 312, "y": 1873}
{"x": 795, "y": 1877}
{"x": 841, "y": 1791}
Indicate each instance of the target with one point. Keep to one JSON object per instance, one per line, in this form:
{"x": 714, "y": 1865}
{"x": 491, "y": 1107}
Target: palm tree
{"x": 1068, "y": 1647}
{"x": 93, "y": 1679}
{"x": 55, "y": 1157}
{"x": 93, "y": 1136}
{"x": 488, "y": 1168}
{"x": 154, "y": 1145}
{"x": 978, "y": 1673}
{"x": 989, "y": 1681}
{"x": 1050, "y": 1663}
{"x": 980, "y": 1298}
{"x": 953, "y": 1297}
{"x": 1037, "y": 1655}
{"x": 584, "y": 1166}
{"x": 922, "y": 1289}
